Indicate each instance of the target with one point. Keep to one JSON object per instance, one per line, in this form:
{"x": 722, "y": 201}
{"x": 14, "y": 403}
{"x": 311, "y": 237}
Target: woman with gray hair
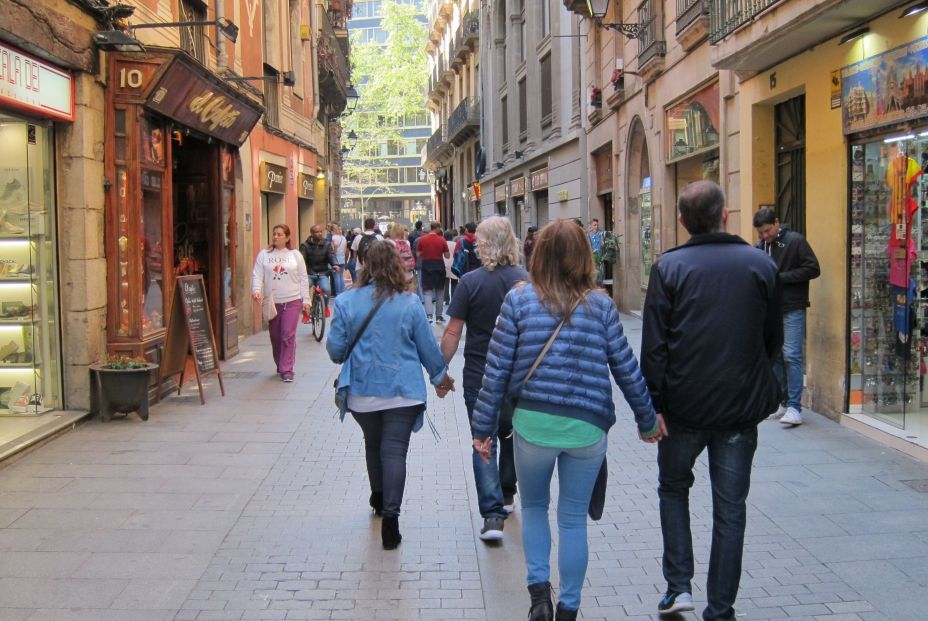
{"x": 476, "y": 303}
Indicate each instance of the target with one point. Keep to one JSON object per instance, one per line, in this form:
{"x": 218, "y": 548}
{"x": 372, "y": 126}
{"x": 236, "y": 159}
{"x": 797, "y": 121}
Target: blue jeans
{"x": 788, "y": 367}
{"x": 494, "y": 482}
{"x": 322, "y": 280}
{"x": 386, "y": 443}
{"x": 339, "y": 277}
{"x": 730, "y": 456}
{"x": 352, "y": 269}
{"x": 577, "y": 469}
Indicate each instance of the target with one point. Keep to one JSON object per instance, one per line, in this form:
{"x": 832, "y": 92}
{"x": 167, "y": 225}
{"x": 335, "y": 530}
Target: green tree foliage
{"x": 391, "y": 79}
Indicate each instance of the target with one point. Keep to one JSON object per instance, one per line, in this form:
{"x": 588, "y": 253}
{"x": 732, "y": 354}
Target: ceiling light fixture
{"x": 856, "y": 34}
{"x": 914, "y": 9}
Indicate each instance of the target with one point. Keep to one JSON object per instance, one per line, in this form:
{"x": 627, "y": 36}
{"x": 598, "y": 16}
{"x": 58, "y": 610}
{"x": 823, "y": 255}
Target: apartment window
{"x": 504, "y": 112}
{"x": 523, "y": 111}
{"x": 192, "y": 38}
{"x": 271, "y": 97}
{"x": 650, "y": 33}
{"x": 546, "y": 110}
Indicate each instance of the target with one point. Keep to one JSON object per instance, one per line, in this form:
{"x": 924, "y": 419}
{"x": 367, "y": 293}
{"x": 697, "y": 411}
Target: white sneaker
{"x": 509, "y": 504}
{"x": 779, "y": 413}
{"x": 792, "y": 417}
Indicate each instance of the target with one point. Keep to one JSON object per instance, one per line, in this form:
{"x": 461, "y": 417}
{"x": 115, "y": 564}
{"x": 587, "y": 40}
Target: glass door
{"x": 29, "y": 330}
{"x": 889, "y": 278}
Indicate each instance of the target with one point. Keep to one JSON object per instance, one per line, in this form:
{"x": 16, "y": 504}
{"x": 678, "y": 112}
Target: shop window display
{"x": 29, "y": 333}
{"x": 889, "y": 278}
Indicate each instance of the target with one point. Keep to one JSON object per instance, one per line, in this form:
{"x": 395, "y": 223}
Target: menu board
{"x": 190, "y": 331}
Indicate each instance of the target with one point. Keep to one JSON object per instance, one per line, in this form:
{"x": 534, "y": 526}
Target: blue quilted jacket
{"x": 573, "y": 377}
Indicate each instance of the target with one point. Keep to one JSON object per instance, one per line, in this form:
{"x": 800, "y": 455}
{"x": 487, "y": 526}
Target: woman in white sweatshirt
{"x": 281, "y": 272}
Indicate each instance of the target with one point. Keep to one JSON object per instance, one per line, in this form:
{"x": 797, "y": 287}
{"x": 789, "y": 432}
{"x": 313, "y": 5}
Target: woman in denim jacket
{"x": 382, "y": 378}
{"x": 565, "y": 409}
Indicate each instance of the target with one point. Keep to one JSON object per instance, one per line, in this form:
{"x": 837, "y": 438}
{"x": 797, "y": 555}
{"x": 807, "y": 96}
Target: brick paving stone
{"x": 254, "y": 507}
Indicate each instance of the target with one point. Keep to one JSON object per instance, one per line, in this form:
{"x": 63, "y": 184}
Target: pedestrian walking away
{"x": 528, "y": 245}
{"x": 381, "y": 375}
{"x": 319, "y": 256}
{"x": 712, "y": 324}
{"x": 797, "y": 265}
{"x": 398, "y": 237}
{"x": 432, "y": 250}
{"x": 450, "y": 279}
{"x": 279, "y": 275}
{"x": 361, "y": 242}
{"x": 340, "y": 247}
{"x": 548, "y": 329}
{"x": 476, "y": 303}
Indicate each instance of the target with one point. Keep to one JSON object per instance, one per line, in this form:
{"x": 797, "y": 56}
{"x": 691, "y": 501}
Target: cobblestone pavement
{"x": 254, "y": 506}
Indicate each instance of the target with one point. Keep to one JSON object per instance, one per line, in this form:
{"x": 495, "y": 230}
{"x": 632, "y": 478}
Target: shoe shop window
{"x": 29, "y": 326}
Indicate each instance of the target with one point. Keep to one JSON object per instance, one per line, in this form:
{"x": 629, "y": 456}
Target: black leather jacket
{"x": 318, "y": 255}
{"x": 713, "y": 321}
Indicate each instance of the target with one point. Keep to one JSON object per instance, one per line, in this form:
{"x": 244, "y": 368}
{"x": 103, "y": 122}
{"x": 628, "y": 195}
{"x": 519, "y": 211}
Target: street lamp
{"x": 598, "y": 10}
{"x": 351, "y": 97}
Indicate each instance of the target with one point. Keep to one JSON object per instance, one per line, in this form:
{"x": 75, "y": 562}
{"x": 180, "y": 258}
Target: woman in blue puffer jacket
{"x": 565, "y": 409}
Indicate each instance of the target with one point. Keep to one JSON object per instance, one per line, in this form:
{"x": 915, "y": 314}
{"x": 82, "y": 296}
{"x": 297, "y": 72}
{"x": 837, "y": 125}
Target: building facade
{"x": 142, "y": 142}
{"x": 453, "y": 148}
{"x": 532, "y": 135}
{"x": 809, "y": 107}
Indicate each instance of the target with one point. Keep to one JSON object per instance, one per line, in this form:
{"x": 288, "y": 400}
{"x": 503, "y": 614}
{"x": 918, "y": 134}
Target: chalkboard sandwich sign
{"x": 190, "y": 331}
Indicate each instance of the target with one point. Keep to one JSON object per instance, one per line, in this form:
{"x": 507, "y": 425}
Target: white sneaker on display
{"x": 792, "y": 417}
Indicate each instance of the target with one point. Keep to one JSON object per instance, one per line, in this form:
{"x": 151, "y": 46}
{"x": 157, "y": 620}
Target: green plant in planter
{"x": 124, "y": 362}
{"x": 122, "y": 382}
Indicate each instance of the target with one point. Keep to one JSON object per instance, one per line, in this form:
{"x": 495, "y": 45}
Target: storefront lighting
{"x": 899, "y": 138}
{"x": 914, "y": 9}
{"x": 853, "y": 35}
{"x": 117, "y": 41}
{"x": 923, "y": 134}
{"x": 225, "y": 26}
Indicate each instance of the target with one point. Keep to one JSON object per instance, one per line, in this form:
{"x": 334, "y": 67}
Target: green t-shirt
{"x": 555, "y": 431}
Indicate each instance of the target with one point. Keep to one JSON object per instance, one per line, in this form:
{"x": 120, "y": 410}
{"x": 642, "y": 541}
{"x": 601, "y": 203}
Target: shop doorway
{"x": 197, "y": 220}
{"x": 889, "y": 282}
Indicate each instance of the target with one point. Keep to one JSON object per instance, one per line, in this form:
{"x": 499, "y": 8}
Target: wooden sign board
{"x": 190, "y": 331}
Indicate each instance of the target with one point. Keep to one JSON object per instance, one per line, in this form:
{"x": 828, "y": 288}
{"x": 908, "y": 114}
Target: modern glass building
{"x": 386, "y": 181}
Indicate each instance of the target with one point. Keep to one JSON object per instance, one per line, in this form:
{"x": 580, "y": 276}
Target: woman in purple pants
{"x": 281, "y": 272}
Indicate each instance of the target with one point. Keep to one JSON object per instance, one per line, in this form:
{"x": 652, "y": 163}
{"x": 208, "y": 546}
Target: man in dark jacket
{"x": 712, "y": 325}
{"x": 319, "y": 256}
{"x": 797, "y": 265}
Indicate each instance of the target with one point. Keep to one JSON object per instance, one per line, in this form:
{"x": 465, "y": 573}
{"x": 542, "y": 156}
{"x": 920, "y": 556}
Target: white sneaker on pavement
{"x": 791, "y": 418}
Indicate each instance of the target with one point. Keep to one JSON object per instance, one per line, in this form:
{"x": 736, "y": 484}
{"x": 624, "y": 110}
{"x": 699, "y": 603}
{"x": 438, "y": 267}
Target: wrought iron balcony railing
{"x": 465, "y": 116}
{"x": 726, "y": 16}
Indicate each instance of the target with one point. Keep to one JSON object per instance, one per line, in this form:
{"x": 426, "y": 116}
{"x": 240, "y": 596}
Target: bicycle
{"x": 320, "y": 303}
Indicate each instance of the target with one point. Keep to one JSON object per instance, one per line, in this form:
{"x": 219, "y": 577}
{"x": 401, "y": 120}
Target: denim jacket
{"x": 388, "y": 358}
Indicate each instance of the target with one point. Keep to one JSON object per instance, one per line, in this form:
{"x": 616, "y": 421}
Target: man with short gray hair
{"x": 712, "y": 325}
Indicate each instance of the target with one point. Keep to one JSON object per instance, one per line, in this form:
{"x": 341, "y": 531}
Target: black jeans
{"x": 386, "y": 442}
{"x": 731, "y": 454}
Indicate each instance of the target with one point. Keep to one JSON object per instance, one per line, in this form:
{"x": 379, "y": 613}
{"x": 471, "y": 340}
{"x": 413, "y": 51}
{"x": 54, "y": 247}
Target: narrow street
{"x": 254, "y": 506}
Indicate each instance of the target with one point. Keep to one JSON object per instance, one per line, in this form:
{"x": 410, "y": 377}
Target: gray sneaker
{"x": 492, "y": 529}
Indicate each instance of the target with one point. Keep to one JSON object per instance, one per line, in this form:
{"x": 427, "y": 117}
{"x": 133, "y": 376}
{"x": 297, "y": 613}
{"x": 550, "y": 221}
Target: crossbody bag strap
{"x": 364, "y": 326}
{"x": 550, "y": 342}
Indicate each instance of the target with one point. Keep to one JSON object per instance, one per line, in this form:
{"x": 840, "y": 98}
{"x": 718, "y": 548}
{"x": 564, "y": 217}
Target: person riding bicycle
{"x": 319, "y": 256}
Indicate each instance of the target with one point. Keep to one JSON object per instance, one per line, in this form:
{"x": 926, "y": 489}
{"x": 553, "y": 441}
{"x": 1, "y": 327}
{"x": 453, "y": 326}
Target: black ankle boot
{"x": 565, "y": 615}
{"x": 390, "y": 533}
{"x": 376, "y": 502}
{"x": 542, "y": 609}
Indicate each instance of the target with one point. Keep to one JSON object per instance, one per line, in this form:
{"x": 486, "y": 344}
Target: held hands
{"x": 483, "y": 448}
{"x": 446, "y": 386}
{"x": 659, "y": 434}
